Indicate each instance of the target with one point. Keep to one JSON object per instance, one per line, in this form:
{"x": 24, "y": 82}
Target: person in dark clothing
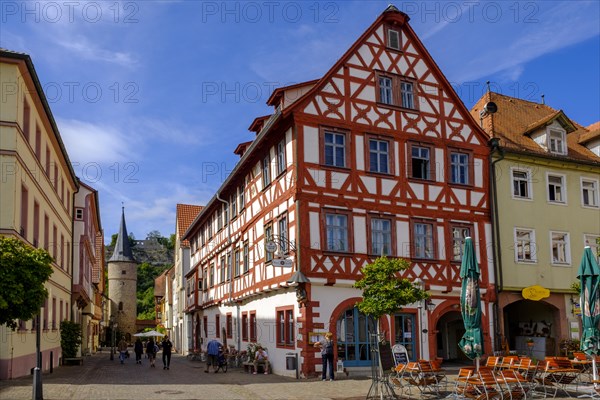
{"x": 326, "y": 345}
{"x": 151, "y": 349}
{"x": 138, "y": 348}
{"x": 167, "y": 345}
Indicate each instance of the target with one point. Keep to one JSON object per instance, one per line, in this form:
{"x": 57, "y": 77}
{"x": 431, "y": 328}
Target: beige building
{"x": 88, "y": 262}
{"x": 546, "y": 173}
{"x": 36, "y": 192}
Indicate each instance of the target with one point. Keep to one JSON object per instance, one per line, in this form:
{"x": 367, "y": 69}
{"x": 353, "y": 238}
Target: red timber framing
{"x": 351, "y": 163}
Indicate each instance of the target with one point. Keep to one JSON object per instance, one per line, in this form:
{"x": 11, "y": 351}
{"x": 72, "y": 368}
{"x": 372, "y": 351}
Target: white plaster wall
{"x": 311, "y": 144}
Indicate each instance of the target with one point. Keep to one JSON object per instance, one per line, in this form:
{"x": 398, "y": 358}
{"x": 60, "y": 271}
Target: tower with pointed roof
{"x": 122, "y": 282}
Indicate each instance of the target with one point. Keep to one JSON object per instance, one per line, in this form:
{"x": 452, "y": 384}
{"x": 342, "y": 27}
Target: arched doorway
{"x": 353, "y": 345}
{"x": 528, "y": 318}
{"x": 450, "y": 329}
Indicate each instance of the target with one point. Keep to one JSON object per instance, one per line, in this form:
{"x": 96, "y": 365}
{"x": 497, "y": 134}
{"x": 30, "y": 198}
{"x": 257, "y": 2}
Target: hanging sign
{"x": 535, "y": 292}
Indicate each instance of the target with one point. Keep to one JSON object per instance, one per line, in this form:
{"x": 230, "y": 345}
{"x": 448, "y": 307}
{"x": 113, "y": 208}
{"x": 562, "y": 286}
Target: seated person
{"x": 261, "y": 357}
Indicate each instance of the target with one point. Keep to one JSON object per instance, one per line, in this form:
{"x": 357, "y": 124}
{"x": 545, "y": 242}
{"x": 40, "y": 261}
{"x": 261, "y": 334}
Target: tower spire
{"x": 122, "y": 250}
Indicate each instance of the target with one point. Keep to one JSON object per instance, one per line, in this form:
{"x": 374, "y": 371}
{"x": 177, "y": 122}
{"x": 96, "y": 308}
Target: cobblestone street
{"x": 100, "y": 378}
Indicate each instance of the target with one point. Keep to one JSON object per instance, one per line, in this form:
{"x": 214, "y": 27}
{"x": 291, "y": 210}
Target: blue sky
{"x": 152, "y": 97}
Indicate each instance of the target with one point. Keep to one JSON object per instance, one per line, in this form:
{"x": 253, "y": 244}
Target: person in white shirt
{"x": 261, "y": 357}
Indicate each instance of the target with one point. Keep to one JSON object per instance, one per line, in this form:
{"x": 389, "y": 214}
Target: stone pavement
{"x": 100, "y": 378}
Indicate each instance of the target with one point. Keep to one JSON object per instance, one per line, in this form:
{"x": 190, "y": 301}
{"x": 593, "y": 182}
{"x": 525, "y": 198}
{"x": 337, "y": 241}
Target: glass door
{"x": 405, "y": 333}
{"x": 353, "y": 329}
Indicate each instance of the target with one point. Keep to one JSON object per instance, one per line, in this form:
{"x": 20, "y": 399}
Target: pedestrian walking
{"x": 326, "y": 346}
{"x": 122, "y": 346}
{"x": 212, "y": 352}
{"x": 151, "y": 350}
{"x": 138, "y": 348}
{"x": 167, "y": 346}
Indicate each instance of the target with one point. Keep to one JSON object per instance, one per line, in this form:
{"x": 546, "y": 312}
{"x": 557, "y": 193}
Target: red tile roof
{"x": 516, "y": 118}
{"x": 593, "y": 133}
{"x": 186, "y": 213}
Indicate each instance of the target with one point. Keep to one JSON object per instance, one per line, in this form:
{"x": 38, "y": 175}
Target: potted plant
{"x": 529, "y": 342}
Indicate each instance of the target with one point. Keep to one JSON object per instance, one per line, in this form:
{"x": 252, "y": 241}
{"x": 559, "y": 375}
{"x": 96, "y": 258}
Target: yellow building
{"x": 36, "y": 192}
{"x": 546, "y": 173}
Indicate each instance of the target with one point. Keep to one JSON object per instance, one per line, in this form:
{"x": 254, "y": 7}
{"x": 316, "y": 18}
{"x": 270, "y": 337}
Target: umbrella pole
{"x": 594, "y": 369}
{"x": 477, "y": 364}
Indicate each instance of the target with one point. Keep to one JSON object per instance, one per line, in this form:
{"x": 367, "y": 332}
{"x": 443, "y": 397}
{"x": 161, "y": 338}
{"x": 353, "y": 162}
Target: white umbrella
{"x": 149, "y": 334}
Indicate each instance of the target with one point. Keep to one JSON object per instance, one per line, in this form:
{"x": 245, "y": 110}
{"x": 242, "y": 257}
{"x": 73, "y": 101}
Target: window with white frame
{"x": 592, "y": 241}
{"x": 268, "y": 238}
{"x": 266, "y": 171}
{"x": 521, "y": 184}
{"x": 236, "y": 262}
{"x": 386, "y": 95}
{"x": 423, "y": 240}
{"x": 559, "y": 243}
{"x": 336, "y": 227}
{"x": 223, "y": 269}
{"x": 381, "y": 236}
{"x": 241, "y": 200}
{"x": 459, "y": 168}
{"x": 589, "y": 192}
{"x": 556, "y": 188}
{"x": 233, "y": 202}
{"x": 557, "y": 142}
{"x": 246, "y": 257}
{"x": 281, "y": 157}
{"x": 420, "y": 162}
{"x": 459, "y": 234}
{"x": 282, "y": 225}
{"x": 525, "y": 245}
{"x": 335, "y": 149}
{"x": 407, "y": 94}
{"x": 379, "y": 156}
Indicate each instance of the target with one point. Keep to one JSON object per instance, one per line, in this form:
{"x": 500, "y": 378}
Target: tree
{"x": 384, "y": 291}
{"x": 70, "y": 338}
{"x": 23, "y": 272}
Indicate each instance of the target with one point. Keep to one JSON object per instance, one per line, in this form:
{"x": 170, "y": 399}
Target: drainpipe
{"x": 494, "y": 143}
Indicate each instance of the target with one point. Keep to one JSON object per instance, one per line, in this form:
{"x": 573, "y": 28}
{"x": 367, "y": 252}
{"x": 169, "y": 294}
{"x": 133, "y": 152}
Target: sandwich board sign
{"x": 400, "y": 354}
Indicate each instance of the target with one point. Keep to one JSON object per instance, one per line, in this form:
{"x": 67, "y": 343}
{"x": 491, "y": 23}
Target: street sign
{"x": 282, "y": 262}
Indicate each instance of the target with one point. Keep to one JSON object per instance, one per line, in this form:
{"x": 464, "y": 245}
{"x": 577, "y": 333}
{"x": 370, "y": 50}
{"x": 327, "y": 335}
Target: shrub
{"x": 70, "y": 338}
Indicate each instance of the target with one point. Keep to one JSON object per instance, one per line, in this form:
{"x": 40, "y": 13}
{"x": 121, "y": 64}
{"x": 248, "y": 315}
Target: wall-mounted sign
{"x": 282, "y": 262}
{"x": 535, "y": 292}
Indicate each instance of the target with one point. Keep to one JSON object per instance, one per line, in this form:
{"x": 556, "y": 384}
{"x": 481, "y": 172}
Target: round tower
{"x": 122, "y": 283}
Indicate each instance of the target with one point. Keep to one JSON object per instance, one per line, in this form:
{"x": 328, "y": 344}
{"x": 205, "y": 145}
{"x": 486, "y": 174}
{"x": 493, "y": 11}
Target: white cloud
{"x": 87, "y": 142}
{"x": 82, "y": 47}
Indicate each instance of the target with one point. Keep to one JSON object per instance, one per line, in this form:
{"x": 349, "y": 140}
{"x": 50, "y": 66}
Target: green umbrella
{"x": 589, "y": 276}
{"x": 470, "y": 304}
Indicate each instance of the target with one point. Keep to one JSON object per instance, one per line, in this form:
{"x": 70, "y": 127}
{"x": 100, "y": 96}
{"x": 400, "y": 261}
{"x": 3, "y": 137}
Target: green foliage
{"x": 70, "y": 338}
{"x": 576, "y": 287}
{"x": 23, "y": 272}
{"x": 145, "y": 304}
{"x": 384, "y": 291}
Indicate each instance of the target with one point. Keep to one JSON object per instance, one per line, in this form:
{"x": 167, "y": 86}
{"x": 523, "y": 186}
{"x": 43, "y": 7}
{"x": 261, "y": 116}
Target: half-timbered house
{"x": 377, "y": 157}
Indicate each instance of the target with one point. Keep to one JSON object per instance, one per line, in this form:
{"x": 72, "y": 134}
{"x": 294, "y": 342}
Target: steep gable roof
{"x": 391, "y": 16}
{"x": 516, "y": 118}
{"x": 122, "y": 251}
{"x": 186, "y": 213}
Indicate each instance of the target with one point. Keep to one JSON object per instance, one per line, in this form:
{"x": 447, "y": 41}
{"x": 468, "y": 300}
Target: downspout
{"x": 230, "y": 272}
{"x": 496, "y": 253}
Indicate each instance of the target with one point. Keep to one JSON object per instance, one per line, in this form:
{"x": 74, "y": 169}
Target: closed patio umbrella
{"x": 470, "y": 304}
{"x": 589, "y": 277}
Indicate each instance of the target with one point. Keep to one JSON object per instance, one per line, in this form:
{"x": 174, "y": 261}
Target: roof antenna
{"x": 488, "y": 86}
{"x": 543, "y": 101}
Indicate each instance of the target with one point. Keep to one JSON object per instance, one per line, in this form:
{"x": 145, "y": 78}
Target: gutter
{"x": 496, "y": 253}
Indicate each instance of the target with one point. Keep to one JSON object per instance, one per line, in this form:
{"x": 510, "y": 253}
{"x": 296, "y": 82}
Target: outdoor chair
{"x": 557, "y": 375}
{"x": 486, "y": 386}
{"x": 492, "y": 361}
{"x": 516, "y": 386}
{"x": 462, "y": 388}
{"x": 424, "y": 378}
{"x": 398, "y": 382}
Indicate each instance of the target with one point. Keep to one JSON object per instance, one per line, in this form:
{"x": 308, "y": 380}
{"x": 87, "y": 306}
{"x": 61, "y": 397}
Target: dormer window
{"x": 557, "y": 142}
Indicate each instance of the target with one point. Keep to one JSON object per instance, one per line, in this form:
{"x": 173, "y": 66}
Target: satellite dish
{"x": 490, "y": 107}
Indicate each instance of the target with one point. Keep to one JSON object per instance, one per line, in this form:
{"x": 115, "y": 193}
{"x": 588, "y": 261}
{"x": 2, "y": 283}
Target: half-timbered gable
{"x": 390, "y": 163}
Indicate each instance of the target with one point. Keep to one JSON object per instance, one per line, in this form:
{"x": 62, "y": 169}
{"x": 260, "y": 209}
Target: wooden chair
{"x": 425, "y": 379}
{"x": 492, "y": 362}
{"x": 398, "y": 382}
{"x": 487, "y": 386}
{"x": 557, "y": 375}
{"x": 462, "y": 388}
{"x": 515, "y": 385}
